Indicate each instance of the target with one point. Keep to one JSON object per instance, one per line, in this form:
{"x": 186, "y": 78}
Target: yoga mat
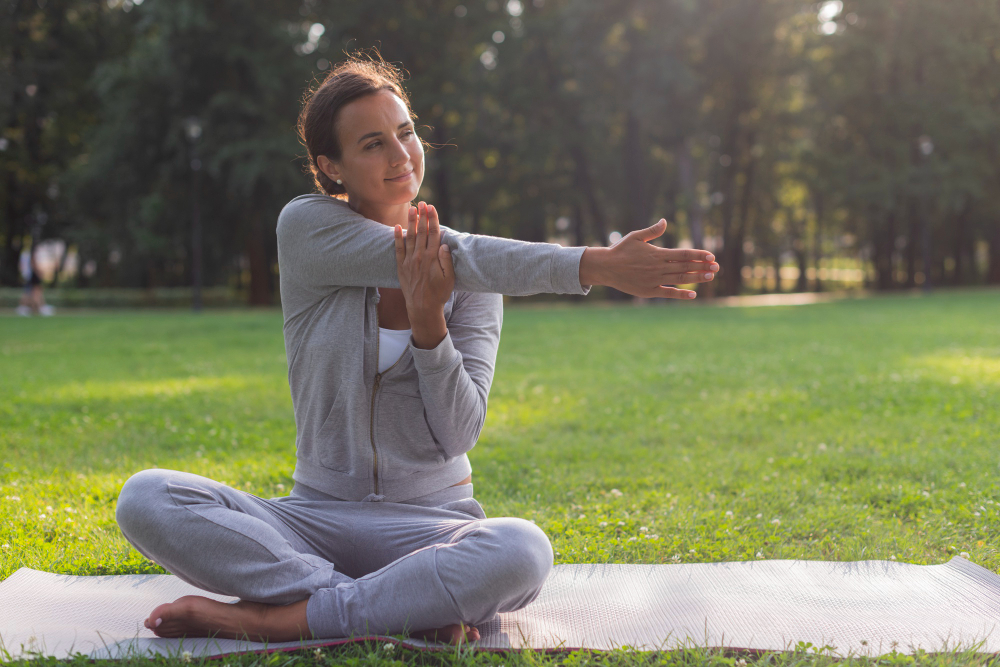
{"x": 860, "y": 608}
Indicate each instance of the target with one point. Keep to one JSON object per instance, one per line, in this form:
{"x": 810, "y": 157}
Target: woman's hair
{"x": 356, "y": 77}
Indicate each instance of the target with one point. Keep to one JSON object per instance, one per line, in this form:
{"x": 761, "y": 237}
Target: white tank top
{"x": 391, "y": 345}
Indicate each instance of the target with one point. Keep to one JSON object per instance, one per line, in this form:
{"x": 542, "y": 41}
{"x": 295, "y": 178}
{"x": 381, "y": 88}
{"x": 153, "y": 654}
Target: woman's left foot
{"x": 197, "y": 616}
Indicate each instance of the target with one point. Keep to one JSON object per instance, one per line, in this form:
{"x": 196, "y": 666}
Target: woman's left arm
{"x": 454, "y": 359}
{"x": 455, "y": 376}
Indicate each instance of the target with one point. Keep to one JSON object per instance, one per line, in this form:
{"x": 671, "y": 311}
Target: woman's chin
{"x": 401, "y": 195}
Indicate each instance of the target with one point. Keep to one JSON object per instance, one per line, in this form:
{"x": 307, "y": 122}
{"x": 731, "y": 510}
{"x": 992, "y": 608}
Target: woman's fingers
{"x": 687, "y": 278}
{"x": 687, "y": 255}
{"x": 686, "y": 267}
{"x": 434, "y": 229}
{"x": 411, "y": 230}
{"x": 444, "y": 259}
{"x": 673, "y": 293}
{"x": 650, "y": 233}
{"x": 422, "y": 227}
{"x": 397, "y": 233}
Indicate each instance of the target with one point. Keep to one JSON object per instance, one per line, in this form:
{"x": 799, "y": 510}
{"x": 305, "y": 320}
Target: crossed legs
{"x": 306, "y": 568}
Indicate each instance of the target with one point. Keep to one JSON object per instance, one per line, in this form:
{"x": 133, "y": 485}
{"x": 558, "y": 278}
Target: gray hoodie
{"x": 403, "y": 433}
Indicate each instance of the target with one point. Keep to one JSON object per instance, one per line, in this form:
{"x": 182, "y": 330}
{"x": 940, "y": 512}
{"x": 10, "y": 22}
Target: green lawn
{"x": 863, "y": 429}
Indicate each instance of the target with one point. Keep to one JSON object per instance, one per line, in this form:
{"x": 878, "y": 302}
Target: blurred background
{"x": 146, "y": 148}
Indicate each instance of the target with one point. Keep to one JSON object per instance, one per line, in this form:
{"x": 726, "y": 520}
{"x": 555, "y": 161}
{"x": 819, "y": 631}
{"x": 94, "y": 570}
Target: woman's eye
{"x": 407, "y": 133}
{"x": 372, "y": 145}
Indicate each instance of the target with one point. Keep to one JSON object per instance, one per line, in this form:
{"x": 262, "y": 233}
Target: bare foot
{"x": 450, "y": 634}
{"x": 197, "y": 616}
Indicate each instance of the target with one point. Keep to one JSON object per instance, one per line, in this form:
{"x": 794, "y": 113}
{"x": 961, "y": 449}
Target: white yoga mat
{"x": 859, "y": 608}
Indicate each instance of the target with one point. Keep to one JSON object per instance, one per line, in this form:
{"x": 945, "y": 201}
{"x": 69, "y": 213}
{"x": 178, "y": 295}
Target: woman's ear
{"x": 328, "y": 167}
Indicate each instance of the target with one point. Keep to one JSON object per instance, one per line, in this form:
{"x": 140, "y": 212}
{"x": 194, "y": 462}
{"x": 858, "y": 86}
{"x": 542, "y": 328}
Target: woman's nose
{"x": 397, "y": 153}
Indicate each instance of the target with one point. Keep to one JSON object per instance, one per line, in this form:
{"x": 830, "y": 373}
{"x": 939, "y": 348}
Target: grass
{"x": 863, "y": 429}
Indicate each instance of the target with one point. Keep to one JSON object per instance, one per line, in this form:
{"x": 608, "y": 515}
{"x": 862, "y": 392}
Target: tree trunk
{"x": 802, "y": 284}
{"x": 883, "y": 246}
{"x": 260, "y": 265}
{"x": 579, "y": 234}
{"x": 14, "y": 237}
{"x": 819, "y": 207}
{"x": 689, "y": 186}
{"x": 993, "y": 271}
{"x": 636, "y": 205}
{"x": 959, "y": 244}
{"x": 586, "y": 188}
{"x": 912, "y": 235}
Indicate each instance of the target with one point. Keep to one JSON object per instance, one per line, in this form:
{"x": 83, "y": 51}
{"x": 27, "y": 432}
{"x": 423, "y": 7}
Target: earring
{"x": 339, "y": 182}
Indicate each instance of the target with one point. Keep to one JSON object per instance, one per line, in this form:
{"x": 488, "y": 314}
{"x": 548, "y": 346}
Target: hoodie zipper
{"x": 378, "y": 379}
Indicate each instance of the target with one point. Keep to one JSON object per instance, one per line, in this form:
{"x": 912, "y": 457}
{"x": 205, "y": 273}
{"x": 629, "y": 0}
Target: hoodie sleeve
{"x": 323, "y": 245}
{"x": 455, "y": 377}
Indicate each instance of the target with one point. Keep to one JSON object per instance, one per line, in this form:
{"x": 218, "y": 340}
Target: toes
{"x": 156, "y": 617}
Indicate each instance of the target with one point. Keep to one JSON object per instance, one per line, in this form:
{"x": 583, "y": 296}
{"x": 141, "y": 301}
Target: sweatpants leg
{"x": 499, "y": 565}
{"x": 218, "y": 538}
{"x": 399, "y": 567}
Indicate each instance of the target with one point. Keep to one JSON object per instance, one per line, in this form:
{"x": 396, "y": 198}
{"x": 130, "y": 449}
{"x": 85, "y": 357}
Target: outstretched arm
{"x": 323, "y": 244}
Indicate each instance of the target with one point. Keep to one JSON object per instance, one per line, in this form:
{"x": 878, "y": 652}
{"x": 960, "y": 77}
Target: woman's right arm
{"x": 323, "y": 244}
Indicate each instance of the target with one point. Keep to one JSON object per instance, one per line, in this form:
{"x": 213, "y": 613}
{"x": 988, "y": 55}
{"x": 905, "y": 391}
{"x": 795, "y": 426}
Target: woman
{"x": 391, "y": 339}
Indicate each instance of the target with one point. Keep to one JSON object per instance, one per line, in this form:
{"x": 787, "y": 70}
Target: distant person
{"x": 32, "y": 299}
{"x": 392, "y": 324}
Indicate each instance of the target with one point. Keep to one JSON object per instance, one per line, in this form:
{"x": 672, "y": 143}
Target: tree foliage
{"x": 774, "y": 132}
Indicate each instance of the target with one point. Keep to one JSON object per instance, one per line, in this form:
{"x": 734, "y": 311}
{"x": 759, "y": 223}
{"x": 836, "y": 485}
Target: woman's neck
{"x": 392, "y": 215}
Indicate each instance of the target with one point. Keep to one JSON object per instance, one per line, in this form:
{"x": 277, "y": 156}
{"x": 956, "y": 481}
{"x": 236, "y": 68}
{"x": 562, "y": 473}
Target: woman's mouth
{"x": 401, "y": 177}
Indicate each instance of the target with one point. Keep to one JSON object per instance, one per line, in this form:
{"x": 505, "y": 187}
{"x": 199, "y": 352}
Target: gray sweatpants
{"x": 365, "y": 567}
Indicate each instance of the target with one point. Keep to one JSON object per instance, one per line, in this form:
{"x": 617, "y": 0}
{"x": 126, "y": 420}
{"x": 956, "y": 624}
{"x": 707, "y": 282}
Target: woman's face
{"x": 382, "y": 159}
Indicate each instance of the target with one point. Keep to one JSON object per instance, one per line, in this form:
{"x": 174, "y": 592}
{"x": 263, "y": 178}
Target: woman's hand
{"x": 636, "y": 267}
{"x": 426, "y": 275}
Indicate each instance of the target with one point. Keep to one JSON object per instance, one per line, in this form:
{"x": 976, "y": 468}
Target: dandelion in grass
{"x": 965, "y": 555}
{"x": 776, "y": 522}
{"x": 318, "y": 653}
{"x": 892, "y": 557}
{"x": 389, "y": 647}
{"x": 760, "y": 516}
{"x": 603, "y": 524}
{"x": 632, "y": 539}
{"x": 729, "y": 514}
{"x": 643, "y": 529}
{"x": 186, "y": 656}
{"x": 676, "y": 558}
{"x": 616, "y": 493}
{"x": 760, "y": 555}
